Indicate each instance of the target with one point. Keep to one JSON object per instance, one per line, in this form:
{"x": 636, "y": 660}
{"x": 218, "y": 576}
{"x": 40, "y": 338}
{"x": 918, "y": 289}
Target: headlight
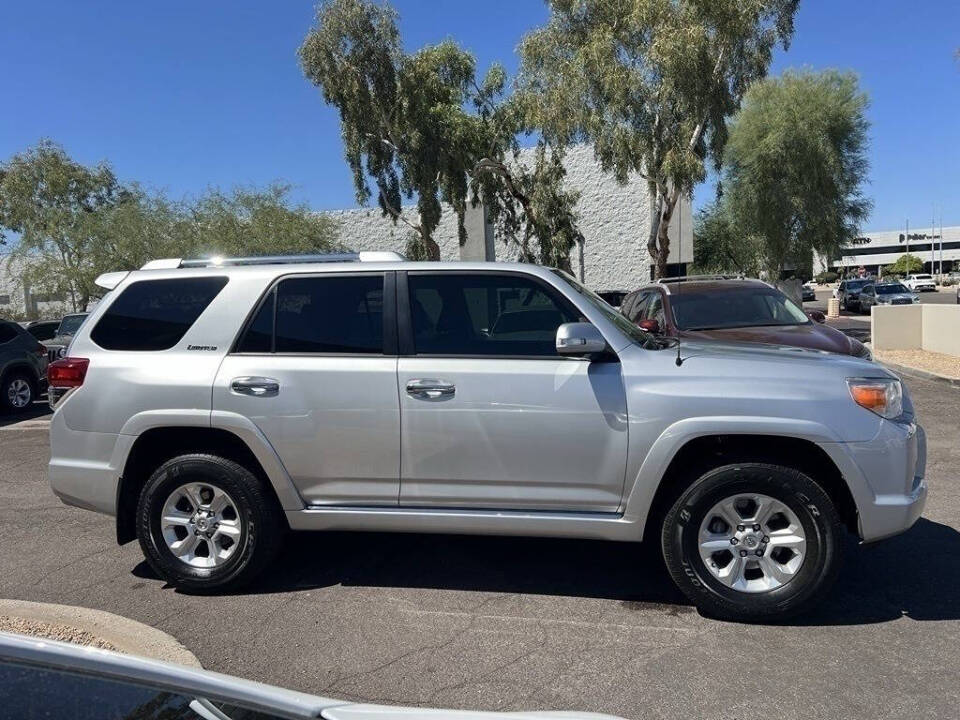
{"x": 884, "y": 396}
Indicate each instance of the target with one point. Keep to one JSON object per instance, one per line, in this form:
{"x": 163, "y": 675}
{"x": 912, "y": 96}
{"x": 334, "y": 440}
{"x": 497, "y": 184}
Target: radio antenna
{"x": 679, "y": 359}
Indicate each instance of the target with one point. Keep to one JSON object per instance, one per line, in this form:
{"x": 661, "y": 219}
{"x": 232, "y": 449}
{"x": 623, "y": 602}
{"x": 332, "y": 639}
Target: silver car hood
{"x": 204, "y": 684}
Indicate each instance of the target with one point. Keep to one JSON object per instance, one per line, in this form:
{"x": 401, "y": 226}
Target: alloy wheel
{"x": 19, "y": 393}
{"x": 201, "y": 526}
{"x": 752, "y": 543}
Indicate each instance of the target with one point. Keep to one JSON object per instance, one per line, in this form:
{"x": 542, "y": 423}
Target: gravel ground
{"x": 52, "y": 631}
{"x": 939, "y": 363}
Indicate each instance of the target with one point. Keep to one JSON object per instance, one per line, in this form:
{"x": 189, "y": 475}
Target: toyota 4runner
{"x": 211, "y": 406}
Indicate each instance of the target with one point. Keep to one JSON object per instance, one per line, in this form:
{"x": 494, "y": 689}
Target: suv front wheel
{"x": 753, "y": 541}
{"x": 207, "y": 523}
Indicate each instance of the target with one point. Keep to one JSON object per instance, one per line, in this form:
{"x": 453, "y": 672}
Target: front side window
{"x": 43, "y": 331}
{"x": 482, "y": 314}
{"x": 154, "y": 314}
{"x": 892, "y": 289}
{"x": 319, "y": 314}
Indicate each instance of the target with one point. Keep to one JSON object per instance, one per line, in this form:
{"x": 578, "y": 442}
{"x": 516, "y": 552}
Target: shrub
{"x": 826, "y": 278}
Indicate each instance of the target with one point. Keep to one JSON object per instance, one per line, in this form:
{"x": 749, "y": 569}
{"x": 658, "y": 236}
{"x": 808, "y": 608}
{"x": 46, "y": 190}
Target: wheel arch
{"x": 702, "y": 453}
{"x": 156, "y": 445}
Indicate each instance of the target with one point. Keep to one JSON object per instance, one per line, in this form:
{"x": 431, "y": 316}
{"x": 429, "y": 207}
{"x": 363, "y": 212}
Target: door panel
{"x": 546, "y": 434}
{"x": 334, "y": 422}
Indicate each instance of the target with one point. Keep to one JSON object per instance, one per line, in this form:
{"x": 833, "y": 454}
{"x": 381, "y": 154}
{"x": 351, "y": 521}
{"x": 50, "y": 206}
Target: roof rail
{"x": 216, "y": 261}
{"x": 685, "y": 278}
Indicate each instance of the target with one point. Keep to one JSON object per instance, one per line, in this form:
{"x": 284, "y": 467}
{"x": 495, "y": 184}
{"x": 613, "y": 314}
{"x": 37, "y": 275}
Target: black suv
{"x": 23, "y": 367}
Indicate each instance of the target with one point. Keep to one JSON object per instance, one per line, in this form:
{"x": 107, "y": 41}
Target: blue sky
{"x": 182, "y": 95}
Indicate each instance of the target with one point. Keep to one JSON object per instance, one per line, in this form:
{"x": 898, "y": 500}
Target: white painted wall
{"x": 614, "y": 220}
{"x": 935, "y": 328}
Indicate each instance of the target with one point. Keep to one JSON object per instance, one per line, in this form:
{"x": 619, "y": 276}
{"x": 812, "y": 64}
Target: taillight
{"x": 68, "y": 372}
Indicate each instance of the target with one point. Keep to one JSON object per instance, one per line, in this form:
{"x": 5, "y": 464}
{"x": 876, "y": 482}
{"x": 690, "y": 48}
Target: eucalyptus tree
{"x": 422, "y": 126}
{"x": 650, "y": 84}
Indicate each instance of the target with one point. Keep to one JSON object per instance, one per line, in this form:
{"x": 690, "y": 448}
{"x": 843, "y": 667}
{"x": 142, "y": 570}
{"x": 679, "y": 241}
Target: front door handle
{"x": 255, "y": 386}
{"x": 424, "y": 389}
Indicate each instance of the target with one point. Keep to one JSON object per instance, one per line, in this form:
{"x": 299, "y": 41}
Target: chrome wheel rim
{"x": 752, "y": 543}
{"x": 201, "y": 525}
{"x": 19, "y": 392}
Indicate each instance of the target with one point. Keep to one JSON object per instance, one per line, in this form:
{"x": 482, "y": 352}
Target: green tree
{"x": 422, "y": 126}
{"x": 721, "y": 248}
{"x": 51, "y": 201}
{"x": 650, "y": 84}
{"x": 905, "y": 265}
{"x": 795, "y": 166}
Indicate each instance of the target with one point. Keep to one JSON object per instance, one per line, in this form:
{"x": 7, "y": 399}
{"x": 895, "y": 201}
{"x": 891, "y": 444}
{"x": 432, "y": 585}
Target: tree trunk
{"x": 433, "y": 249}
{"x": 659, "y": 243}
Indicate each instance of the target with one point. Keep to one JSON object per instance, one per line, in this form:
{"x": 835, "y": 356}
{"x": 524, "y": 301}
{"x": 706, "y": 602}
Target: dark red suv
{"x": 736, "y": 310}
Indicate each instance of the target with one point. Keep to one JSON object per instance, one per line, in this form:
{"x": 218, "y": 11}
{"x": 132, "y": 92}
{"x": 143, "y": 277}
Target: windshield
{"x": 745, "y": 307}
{"x": 70, "y": 324}
{"x": 922, "y": 277}
{"x": 857, "y": 284}
{"x": 891, "y": 289}
{"x": 623, "y": 325}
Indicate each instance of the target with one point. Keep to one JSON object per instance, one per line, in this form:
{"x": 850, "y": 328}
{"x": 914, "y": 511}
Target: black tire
{"x": 809, "y": 503}
{"x": 262, "y": 525}
{"x": 8, "y": 381}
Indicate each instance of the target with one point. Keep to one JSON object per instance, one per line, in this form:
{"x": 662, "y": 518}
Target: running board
{"x": 600, "y": 526}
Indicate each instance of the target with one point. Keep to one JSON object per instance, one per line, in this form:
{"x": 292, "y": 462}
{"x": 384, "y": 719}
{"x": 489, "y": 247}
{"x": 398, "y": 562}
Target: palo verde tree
{"x": 650, "y": 84}
{"x": 422, "y": 126}
{"x": 795, "y": 166}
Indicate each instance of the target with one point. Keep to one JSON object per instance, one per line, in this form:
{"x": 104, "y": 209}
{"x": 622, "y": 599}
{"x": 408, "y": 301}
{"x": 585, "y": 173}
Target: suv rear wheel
{"x": 16, "y": 391}
{"x": 753, "y": 541}
{"x": 207, "y": 523}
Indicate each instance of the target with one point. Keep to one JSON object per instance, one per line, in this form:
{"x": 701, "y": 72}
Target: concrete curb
{"x": 923, "y": 374}
{"x": 128, "y": 636}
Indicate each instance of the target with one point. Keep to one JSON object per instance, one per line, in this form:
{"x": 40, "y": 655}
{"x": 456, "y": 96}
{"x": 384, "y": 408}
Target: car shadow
{"x": 39, "y": 409}
{"x": 913, "y": 575}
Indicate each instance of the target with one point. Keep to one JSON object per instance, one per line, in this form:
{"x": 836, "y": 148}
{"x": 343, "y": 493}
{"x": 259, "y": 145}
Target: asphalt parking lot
{"x": 502, "y": 623}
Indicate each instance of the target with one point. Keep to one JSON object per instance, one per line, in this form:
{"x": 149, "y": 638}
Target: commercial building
{"x": 940, "y": 252}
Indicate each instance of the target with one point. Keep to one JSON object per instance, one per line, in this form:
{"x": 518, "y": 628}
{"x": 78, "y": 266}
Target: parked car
{"x": 889, "y": 293}
{"x": 807, "y": 293}
{"x": 739, "y": 310}
{"x": 42, "y": 678}
{"x": 212, "y": 407}
{"x": 66, "y": 329}
{"x": 922, "y": 282}
{"x": 23, "y": 367}
{"x": 42, "y": 330}
{"x": 848, "y": 292}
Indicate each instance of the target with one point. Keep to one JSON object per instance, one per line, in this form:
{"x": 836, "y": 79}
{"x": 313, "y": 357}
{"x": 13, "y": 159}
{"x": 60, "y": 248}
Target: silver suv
{"x": 212, "y": 406}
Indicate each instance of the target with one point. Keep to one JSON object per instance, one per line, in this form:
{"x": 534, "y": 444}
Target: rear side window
{"x": 7, "y": 333}
{"x": 325, "y": 314}
{"x": 155, "y": 314}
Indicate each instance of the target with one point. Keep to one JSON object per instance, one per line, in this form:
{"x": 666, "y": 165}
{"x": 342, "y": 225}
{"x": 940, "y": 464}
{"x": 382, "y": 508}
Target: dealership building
{"x": 938, "y": 249}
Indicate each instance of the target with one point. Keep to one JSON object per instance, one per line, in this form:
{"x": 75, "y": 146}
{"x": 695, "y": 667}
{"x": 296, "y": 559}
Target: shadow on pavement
{"x": 39, "y": 409}
{"x": 914, "y": 575}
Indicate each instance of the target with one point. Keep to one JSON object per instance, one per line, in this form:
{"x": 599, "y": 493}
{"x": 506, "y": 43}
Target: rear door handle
{"x": 255, "y": 386}
{"x": 426, "y": 389}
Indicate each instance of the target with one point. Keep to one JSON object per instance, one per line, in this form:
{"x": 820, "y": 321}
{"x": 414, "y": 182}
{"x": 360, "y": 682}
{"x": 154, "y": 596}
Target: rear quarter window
{"x": 7, "y": 333}
{"x": 155, "y": 314}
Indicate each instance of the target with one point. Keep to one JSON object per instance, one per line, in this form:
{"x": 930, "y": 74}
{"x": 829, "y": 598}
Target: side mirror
{"x": 579, "y": 339}
{"x": 817, "y": 316}
{"x": 650, "y": 325}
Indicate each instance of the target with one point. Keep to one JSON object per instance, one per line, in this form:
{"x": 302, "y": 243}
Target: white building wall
{"x": 614, "y": 220}
{"x": 884, "y": 247}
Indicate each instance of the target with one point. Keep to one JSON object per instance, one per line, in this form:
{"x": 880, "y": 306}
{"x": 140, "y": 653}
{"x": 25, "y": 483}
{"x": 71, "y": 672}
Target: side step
{"x": 599, "y": 526}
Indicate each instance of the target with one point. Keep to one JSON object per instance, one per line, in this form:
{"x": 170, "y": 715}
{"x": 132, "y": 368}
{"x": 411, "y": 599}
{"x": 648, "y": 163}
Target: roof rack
{"x": 216, "y": 261}
{"x": 685, "y": 278}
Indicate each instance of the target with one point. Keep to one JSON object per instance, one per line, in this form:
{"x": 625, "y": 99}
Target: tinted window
{"x": 891, "y": 289}
{"x": 155, "y": 314}
{"x": 634, "y": 305}
{"x": 7, "y": 332}
{"x": 259, "y": 335}
{"x": 485, "y": 315}
{"x": 655, "y": 310}
{"x": 34, "y": 693}
{"x": 748, "y": 307}
{"x": 43, "y": 331}
{"x": 330, "y": 315}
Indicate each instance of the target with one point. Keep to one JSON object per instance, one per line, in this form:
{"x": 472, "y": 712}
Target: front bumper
{"x": 886, "y": 478}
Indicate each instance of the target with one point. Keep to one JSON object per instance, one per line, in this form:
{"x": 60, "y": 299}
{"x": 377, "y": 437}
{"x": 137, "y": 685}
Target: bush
{"x": 825, "y": 278}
